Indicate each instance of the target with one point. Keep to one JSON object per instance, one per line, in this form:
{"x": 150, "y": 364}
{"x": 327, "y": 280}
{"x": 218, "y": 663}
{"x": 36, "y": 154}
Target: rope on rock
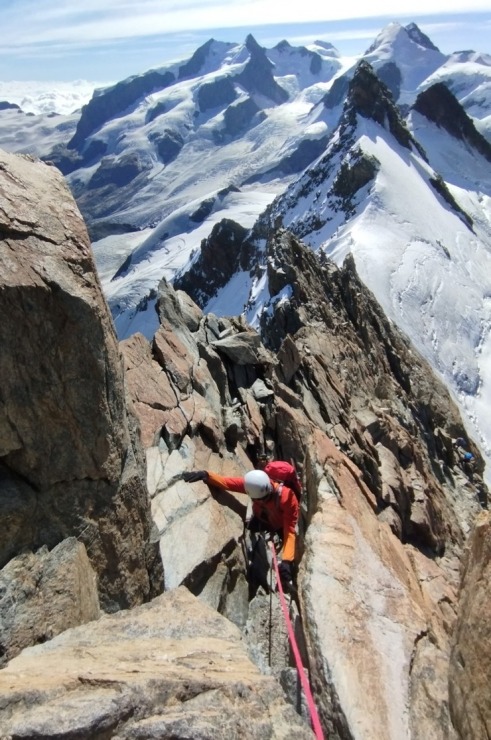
{"x": 314, "y": 717}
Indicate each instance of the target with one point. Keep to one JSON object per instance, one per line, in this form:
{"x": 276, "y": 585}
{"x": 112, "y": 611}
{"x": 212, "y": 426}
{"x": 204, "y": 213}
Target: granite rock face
{"x": 71, "y": 463}
{"x": 45, "y": 593}
{"x": 386, "y": 509}
{"x": 147, "y": 673}
{"x": 470, "y": 666}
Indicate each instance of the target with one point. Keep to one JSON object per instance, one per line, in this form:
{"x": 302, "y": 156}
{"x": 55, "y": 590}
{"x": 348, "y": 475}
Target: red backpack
{"x": 284, "y": 472}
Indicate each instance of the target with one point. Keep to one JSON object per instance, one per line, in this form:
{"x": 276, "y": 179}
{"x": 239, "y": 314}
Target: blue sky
{"x": 108, "y": 40}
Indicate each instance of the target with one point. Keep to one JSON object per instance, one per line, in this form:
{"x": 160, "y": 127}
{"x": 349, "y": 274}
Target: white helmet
{"x": 257, "y": 484}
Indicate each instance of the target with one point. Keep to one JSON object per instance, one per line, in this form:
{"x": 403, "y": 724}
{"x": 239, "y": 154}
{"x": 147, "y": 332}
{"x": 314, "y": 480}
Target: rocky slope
{"x": 387, "y": 508}
{"x": 386, "y": 513}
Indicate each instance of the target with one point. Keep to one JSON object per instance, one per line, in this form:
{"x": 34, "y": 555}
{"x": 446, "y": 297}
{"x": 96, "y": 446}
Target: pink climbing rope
{"x": 314, "y": 717}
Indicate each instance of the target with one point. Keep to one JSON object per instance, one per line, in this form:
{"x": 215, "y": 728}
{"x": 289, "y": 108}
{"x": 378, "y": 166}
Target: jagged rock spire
{"x": 368, "y": 96}
{"x": 257, "y": 76}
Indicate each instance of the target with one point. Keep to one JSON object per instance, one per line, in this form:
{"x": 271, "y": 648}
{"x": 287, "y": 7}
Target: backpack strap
{"x": 278, "y": 491}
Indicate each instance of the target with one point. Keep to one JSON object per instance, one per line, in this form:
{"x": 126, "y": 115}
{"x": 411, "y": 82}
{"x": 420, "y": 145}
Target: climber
{"x": 274, "y": 508}
{"x": 465, "y": 458}
{"x": 281, "y": 472}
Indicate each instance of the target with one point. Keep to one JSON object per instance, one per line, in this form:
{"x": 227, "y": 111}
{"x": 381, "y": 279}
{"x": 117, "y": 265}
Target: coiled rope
{"x": 314, "y": 717}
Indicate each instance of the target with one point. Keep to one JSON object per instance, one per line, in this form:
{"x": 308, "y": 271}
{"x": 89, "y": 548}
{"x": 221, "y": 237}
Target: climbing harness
{"x": 314, "y": 717}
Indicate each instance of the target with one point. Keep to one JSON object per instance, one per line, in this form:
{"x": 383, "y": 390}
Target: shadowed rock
{"x": 257, "y": 75}
{"x": 470, "y": 665}
{"x": 45, "y": 593}
{"x": 368, "y": 96}
{"x": 439, "y": 105}
{"x": 70, "y": 458}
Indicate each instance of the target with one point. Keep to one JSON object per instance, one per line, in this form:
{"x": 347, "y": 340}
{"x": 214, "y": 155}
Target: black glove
{"x": 286, "y": 575}
{"x": 194, "y": 475}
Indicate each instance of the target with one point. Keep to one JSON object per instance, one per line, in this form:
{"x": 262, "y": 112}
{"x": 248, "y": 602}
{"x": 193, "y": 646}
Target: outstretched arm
{"x": 213, "y": 479}
{"x": 226, "y": 483}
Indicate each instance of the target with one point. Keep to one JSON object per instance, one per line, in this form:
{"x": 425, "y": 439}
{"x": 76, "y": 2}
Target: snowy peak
{"x": 324, "y": 48}
{"x": 357, "y": 173}
{"x": 174, "y": 169}
{"x": 298, "y": 54}
{"x": 468, "y": 55}
{"x": 120, "y": 99}
{"x": 403, "y": 59}
{"x": 254, "y": 48}
{"x": 111, "y": 102}
{"x": 331, "y": 190}
{"x": 257, "y": 76}
{"x": 207, "y": 58}
{"x": 416, "y": 35}
{"x": 396, "y": 39}
{"x": 438, "y": 104}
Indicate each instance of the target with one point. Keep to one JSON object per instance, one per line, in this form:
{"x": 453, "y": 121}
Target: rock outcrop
{"x": 386, "y": 509}
{"x": 369, "y": 97}
{"x": 71, "y": 463}
{"x": 148, "y": 673}
{"x": 45, "y": 593}
{"x": 470, "y": 666}
{"x": 222, "y": 254}
{"x": 439, "y": 105}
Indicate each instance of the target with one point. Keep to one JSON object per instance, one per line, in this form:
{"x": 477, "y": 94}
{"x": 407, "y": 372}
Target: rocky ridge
{"x": 386, "y": 514}
{"x": 438, "y": 104}
{"x": 340, "y": 391}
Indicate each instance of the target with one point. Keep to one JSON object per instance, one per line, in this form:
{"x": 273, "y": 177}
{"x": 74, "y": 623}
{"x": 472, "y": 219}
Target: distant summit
{"x": 419, "y": 37}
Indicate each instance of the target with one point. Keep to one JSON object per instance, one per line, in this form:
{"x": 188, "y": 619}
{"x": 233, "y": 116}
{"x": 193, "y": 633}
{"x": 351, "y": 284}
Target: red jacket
{"x": 279, "y": 511}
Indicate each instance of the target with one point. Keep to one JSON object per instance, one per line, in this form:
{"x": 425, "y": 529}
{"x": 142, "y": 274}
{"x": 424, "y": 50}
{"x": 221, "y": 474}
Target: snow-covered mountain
{"x": 411, "y": 202}
{"x": 413, "y": 207}
{"x": 386, "y": 157}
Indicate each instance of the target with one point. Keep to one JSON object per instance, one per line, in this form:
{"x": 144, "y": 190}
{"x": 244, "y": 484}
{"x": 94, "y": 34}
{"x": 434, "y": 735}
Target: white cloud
{"x": 59, "y": 39}
{"x": 46, "y": 21}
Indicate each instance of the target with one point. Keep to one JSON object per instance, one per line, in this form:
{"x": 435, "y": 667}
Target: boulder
{"x": 171, "y": 668}
{"x": 245, "y": 348}
{"x": 45, "y": 593}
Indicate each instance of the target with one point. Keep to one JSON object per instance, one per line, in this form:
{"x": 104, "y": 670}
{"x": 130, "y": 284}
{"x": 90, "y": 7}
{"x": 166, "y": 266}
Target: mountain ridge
{"x": 154, "y": 182}
{"x": 105, "y": 510}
